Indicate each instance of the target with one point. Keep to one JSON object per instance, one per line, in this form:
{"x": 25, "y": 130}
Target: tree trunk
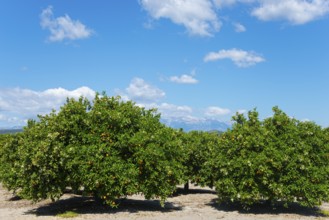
{"x": 186, "y": 187}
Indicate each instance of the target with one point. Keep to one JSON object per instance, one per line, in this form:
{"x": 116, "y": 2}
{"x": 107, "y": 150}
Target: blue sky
{"x": 190, "y": 59}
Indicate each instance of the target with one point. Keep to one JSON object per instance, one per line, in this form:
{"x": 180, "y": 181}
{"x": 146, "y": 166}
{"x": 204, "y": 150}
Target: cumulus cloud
{"x": 171, "y": 110}
{"x": 228, "y": 3}
{"x": 240, "y": 58}
{"x": 64, "y": 27}
{"x": 294, "y": 11}
{"x": 150, "y": 97}
{"x": 216, "y": 111}
{"x": 141, "y": 91}
{"x": 182, "y": 115}
{"x": 168, "y": 110}
{"x": 17, "y": 105}
{"x": 198, "y": 16}
{"x": 183, "y": 79}
{"x": 29, "y": 102}
{"x": 239, "y": 28}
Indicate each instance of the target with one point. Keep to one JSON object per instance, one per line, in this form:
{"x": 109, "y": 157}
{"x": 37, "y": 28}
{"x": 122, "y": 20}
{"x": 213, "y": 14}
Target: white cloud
{"x": 197, "y": 16}
{"x": 171, "y": 114}
{"x": 170, "y": 110}
{"x": 216, "y": 111}
{"x": 62, "y": 28}
{"x": 229, "y": 3}
{"x": 148, "y": 96}
{"x": 139, "y": 90}
{"x": 17, "y": 105}
{"x": 183, "y": 79}
{"x": 181, "y": 114}
{"x": 241, "y": 58}
{"x": 239, "y": 28}
{"x": 29, "y": 102}
{"x": 294, "y": 11}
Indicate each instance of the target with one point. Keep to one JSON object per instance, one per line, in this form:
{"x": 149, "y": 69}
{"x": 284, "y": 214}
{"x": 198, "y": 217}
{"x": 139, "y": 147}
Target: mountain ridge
{"x": 200, "y": 125}
{"x": 177, "y": 123}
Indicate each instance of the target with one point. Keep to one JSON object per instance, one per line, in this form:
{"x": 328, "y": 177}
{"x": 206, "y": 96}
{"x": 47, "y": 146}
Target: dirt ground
{"x": 199, "y": 203}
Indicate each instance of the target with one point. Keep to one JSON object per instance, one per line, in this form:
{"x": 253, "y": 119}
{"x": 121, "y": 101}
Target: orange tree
{"x": 108, "y": 148}
{"x": 8, "y": 158}
{"x": 199, "y": 148}
{"x": 146, "y": 156}
{"x": 278, "y": 159}
{"x": 39, "y": 165}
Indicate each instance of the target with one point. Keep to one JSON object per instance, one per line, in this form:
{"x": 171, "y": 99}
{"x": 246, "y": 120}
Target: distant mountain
{"x": 211, "y": 125}
{"x": 11, "y": 130}
{"x": 200, "y": 125}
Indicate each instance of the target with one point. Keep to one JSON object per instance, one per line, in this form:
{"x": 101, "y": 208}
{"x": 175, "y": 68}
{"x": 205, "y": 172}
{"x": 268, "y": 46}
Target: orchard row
{"x": 110, "y": 149}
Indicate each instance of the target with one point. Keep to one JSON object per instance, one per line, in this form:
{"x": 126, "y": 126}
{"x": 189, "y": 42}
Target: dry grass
{"x": 67, "y": 214}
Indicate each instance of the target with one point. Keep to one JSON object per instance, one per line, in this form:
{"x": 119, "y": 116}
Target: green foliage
{"x": 9, "y": 157}
{"x": 42, "y": 153}
{"x": 10, "y": 131}
{"x": 109, "y": 149}
{"x": 67, "y": 214}
{"x": 325, "y": 213}
{"x": 199, "y": 147}
{"x": 144, "y": 153}
{"x": 279, "y": 158}
{"x": 112, "y": 149}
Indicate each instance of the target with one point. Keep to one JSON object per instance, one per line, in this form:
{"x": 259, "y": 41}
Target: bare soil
{"x": 199, "y": 203}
